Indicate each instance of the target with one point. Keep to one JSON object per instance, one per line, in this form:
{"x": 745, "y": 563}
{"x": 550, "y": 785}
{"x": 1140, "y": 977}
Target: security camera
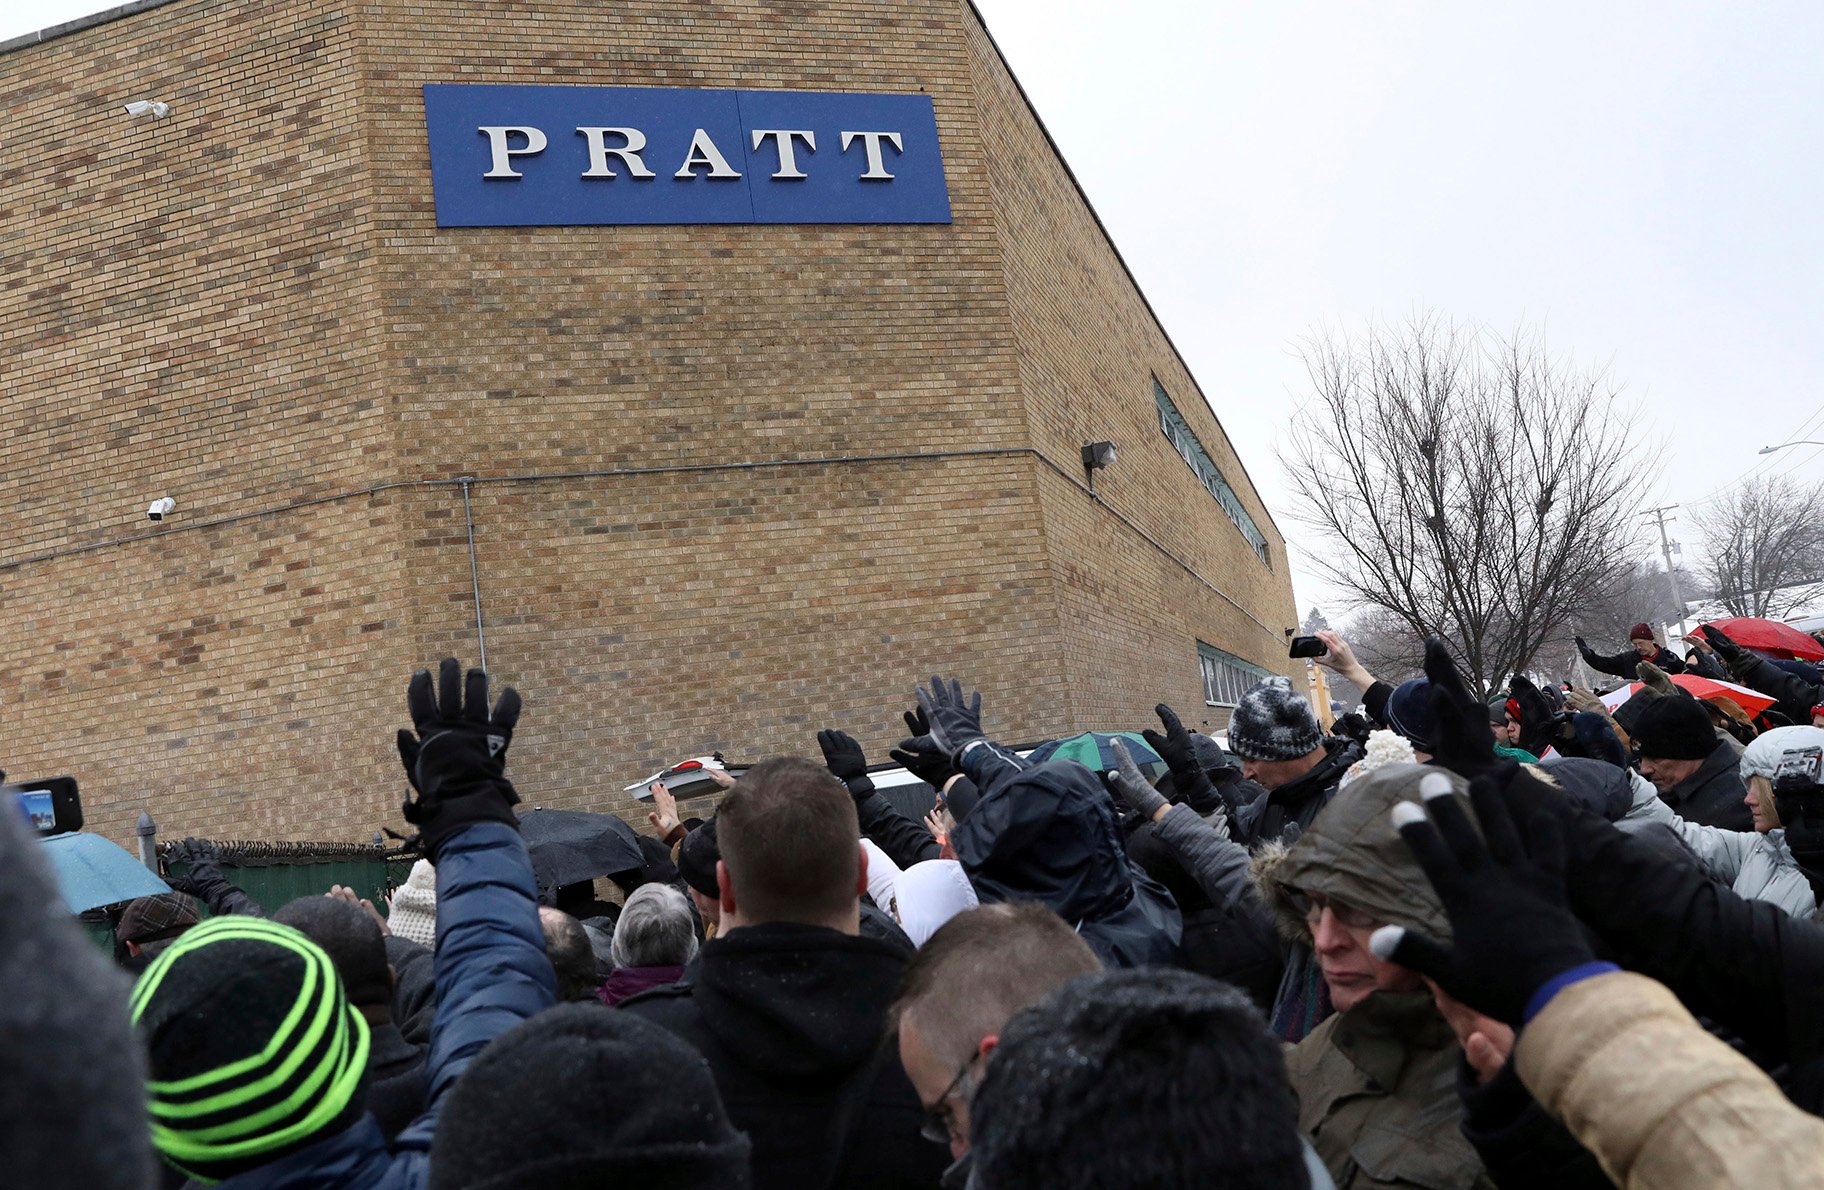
{"x": 148, "y": 107}
{"x": 160, "y": 508}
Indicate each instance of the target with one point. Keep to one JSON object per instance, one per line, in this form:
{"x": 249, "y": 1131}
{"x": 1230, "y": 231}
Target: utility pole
{"x": 1665, "y": 548}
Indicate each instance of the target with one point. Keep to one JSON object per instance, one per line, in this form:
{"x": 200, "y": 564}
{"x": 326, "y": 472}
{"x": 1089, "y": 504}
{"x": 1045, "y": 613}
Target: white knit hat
{"x": 412, "y": 913}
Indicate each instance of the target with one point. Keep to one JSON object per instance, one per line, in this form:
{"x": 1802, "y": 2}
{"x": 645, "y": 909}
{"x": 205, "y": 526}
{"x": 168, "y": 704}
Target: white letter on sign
{"x": 703, "y": 151}
{"x": 783, "y": 137}
{"x": 876, "y": 171}
{"x": 503, "y": 156}
{"x": 599, "y": 152}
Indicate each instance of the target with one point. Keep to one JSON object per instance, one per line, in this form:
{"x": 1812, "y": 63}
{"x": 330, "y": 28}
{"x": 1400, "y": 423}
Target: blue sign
{"x": 508, "y": 156}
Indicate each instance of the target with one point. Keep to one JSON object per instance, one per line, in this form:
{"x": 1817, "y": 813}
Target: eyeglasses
{"x": 1347, "y": 916}
{"x": 940, "y": 1116}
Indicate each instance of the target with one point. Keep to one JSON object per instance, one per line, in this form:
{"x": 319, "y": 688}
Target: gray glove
{"x": 1131, "y": 784}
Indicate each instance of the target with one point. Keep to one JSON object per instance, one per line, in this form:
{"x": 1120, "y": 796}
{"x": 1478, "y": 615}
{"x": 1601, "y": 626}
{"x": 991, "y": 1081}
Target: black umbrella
{"x": 570, "y": 846}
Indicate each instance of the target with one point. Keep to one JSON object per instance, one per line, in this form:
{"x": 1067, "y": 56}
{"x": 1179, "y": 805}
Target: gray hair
{"x": 655, "y": 930}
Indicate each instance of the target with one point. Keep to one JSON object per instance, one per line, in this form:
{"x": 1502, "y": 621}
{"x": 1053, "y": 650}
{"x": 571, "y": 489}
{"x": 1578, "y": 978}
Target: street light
{"x": 1767, "y": 450}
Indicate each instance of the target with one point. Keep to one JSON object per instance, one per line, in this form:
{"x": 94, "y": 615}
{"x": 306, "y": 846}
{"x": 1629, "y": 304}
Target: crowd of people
{"x": 1449, "y": 942}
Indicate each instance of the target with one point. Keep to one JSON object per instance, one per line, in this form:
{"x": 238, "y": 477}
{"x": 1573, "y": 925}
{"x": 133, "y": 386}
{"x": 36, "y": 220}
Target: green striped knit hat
{"x": 253, "y": 1049}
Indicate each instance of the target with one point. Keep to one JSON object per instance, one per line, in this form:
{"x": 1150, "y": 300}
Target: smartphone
{"x": 1309, "y": 646}
{"x": 53, "y": 805}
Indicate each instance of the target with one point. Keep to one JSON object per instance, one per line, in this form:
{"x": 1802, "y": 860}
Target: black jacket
{"x": 793, "y": 1022}
{"x": 1236, "y": 944}
{"x": 1297, "y": 802}
{"x": 1748, "y": 967}
{"x": 1793, "y": 694}
{"x": 1626, "y": 664}
{"x": 1713, "y": 795}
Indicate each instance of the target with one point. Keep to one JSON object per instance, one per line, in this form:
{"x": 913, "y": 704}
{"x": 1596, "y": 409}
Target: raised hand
{"x": 1513, "y": 933}
{"x": 845, "y": 759}
{"x": 955, "y": 722}
{"x": 456, "y": 755}
{"x": 1189, "y": 780}
{"x": 920, "y": 755}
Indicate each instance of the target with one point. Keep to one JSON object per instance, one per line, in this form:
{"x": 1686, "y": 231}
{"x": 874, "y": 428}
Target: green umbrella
{"x": 1094, "y": 750}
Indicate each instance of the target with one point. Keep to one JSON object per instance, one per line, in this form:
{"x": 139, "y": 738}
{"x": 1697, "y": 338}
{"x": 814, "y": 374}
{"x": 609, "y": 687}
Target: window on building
{"x": 1226, "y": 677}
{"x": 1177, "y": 431}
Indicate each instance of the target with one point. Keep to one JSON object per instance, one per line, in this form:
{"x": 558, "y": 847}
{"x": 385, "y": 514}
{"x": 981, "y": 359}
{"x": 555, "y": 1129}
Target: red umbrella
{"x": 1751, "y": 701}
{"x": 1770, "y": 636}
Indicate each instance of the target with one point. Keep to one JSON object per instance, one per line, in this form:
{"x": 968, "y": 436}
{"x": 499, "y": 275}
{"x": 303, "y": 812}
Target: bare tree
{"x": 1761, "y": 546}
{"x": 1472, "y": 487}
{"x": 1636, "y": 592}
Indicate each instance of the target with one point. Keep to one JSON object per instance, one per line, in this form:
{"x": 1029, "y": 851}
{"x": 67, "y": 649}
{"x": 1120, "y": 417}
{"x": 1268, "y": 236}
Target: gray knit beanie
{"x": 1273, "y": 722}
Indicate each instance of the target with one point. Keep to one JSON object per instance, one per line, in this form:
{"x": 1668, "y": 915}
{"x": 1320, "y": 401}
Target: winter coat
{"x": 1047, "y": 833}
{"x": 1626, "y": 664}
{"x": 1296, "y": 803}
{"x": 1377, "y": 1096}
{"x": 1794, "y": 696}
{"x": 1747, "y": 966}
{"x": 1228, "y": 934}
{"x": 626, "y": 982}
{"x": 1755, "y": 866}
{"x": 792, "y": 1020}
{"x": 1660, "y": 1102}
{"x": 491, "y": 973}
{"x": 1715, "y": 794}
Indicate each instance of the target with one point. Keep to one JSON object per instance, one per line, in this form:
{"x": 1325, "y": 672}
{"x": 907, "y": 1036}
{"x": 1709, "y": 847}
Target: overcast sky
{"x": 1644, "y": 180}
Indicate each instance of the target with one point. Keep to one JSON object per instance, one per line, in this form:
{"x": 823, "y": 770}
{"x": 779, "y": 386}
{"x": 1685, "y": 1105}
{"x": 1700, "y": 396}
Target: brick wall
{"x": 248, "y": 306}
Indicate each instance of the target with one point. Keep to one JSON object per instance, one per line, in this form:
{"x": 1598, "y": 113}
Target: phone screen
{"x": 37, "y": 803}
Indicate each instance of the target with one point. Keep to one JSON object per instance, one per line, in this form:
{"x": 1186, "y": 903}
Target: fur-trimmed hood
{"x": 1351, "y": 853}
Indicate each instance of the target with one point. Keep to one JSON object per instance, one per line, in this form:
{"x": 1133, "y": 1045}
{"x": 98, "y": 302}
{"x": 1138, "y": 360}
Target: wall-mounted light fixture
{"x": 148, "y": 107}
{"x": 1096, "y": 455}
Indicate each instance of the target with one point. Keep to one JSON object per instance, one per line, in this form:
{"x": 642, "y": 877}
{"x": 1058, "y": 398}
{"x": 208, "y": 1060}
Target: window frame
{"x": 1184, "y": 440}
{"x": 1224, "y": 673}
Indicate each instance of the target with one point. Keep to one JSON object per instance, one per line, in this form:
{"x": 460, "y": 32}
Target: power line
{"x": 1721, "y": 490}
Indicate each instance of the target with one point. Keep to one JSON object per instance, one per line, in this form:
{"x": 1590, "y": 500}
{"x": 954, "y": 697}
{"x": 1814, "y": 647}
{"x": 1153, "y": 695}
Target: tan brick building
{"x": 732, "y": 483}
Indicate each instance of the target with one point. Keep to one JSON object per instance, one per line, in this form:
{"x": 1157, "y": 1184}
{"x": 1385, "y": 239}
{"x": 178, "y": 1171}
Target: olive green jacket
{"x": 1377, "y": 1097}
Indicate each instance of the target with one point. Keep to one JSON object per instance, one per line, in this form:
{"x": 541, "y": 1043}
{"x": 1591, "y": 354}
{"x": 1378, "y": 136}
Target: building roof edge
{"x": 52, "y": 32}
{"x": 1109, "y": 239}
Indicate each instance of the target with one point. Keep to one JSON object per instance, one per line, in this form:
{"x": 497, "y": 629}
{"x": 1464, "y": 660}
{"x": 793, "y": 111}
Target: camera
{"x": 160, "y": 508}
{"x": 1800, "y": 773}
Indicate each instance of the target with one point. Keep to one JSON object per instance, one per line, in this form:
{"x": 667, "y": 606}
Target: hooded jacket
{"x": 1047, "y": 833}
{"x": 1297, "y": 802}
{"x": 791, "y": 1019}
{"x": 1377, "y": 1084}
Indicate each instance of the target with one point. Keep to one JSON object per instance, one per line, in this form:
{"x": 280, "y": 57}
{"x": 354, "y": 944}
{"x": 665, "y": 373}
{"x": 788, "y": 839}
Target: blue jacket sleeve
{"x": 491, "y": 968}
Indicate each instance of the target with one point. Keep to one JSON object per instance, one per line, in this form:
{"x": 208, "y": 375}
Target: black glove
{"x": 202, "y": 868}
{"x": 919, "y": 754}
{"x": 1582, "y": 645}
{"x": 457, "y": 759}
{"x": 845, "y": 759}
{"x": 1464, "y": 743}
{"x": 955, "y": 724}
{"x": 1190, "y": 783}
{"x": 1513, "y": 930}
{"x": 1803, "y": 818}
{"x": 1725, "y": 648}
